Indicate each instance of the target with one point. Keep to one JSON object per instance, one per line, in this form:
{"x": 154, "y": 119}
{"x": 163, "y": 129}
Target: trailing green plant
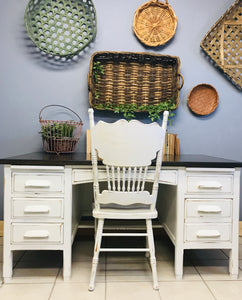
{"x": 129, "y": 109}
{"x": 57, "y": 130}
{"x": 97, "y": 70}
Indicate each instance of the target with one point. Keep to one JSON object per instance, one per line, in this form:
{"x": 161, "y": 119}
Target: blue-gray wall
{"x": 29, "y": 80}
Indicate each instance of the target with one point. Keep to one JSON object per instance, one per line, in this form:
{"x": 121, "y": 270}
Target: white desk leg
{"x": 179, "y": 262}
{"x": 179, "y": 250}
{"x": 7, "y": 265}
{"x": 67, "y": 225}
{"x": 234, "y": 252}
{"x": 7, "y": 253}
{"x": 233, "y": 263}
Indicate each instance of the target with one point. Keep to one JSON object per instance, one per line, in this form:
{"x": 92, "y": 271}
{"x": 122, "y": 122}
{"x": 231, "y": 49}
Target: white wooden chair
{"x": 127, "y": 150}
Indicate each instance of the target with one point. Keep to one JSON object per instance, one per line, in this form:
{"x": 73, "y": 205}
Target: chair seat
{"x": 125, "y": 214}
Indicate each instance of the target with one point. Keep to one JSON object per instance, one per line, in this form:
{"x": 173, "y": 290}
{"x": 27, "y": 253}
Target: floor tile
{"x": 128, "y": 270}
{"x": 78, "y": 291}
{"x": 184, "y": 290}
{"x": 165, "y": 272}
{"x": 231, "y": 290}
{"x": 25, "y": 291}
{"x": 131, "y": 291}
{"x": 218, "y": 272}
{"x": 81, "y": 272}
{"x": 34, "y": 275}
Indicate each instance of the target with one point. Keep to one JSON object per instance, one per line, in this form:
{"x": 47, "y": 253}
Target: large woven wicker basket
{"x": 134, "y": 78}
{"x": 154, "y": 23}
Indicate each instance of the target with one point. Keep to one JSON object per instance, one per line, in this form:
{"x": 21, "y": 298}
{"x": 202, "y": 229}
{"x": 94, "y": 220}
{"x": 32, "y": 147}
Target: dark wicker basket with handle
{"x": 134, "y": 78}
{"x": 60, "y": 136}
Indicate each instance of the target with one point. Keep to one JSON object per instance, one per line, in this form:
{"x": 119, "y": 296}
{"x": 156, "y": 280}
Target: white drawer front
{"x": 39, "y": 208}
{"x": 210, "y": 184}
{"x": 36, "y": 233}
{"x": 210, "y": 210}
{"x": 207, "y": 232}
{"x": 86, "y": 175}
{"x": 37, "y": 183}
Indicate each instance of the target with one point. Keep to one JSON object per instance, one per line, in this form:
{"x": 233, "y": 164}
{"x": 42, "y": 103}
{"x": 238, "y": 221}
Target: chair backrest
{"x": 127, "y": 150}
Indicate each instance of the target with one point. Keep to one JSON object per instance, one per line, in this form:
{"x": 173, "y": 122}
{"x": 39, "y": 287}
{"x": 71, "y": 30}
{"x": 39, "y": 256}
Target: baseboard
{"x": 1, "y": 228}
{"x": 240, "y": 228}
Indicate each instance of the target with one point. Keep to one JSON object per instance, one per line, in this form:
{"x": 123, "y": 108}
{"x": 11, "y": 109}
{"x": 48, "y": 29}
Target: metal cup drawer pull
{"x": 215, "y": 209}
{"x": 37, "y": 183}
{"x": 36, "y": 209}
{"x": 36, "y": 234}
{"x": 210, "y": 185}
{"x": 208, "y": 234}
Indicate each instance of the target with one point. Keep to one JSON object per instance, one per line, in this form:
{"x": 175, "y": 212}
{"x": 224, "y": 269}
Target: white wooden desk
{"x": 198, "y": 205}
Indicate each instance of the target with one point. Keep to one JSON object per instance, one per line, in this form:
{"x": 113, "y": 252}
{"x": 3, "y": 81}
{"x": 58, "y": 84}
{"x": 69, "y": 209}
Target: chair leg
{"x": 147, "y": 254}
{"x": 98, "y": 240}
{"x": 152, "y": 253}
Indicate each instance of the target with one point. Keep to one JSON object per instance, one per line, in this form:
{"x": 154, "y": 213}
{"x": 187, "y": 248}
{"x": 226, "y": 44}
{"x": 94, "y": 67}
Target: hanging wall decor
{"x": 223, "y": 43}
{"x": 154, "y": 23}
{"x": 203, "y": 99}
{"x": 60, "y": 27}
{"x": 141, "y": 80}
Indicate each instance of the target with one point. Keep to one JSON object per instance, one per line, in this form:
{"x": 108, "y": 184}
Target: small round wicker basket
{"x": 203, "y": 99}
{"x": 154, "y": 23}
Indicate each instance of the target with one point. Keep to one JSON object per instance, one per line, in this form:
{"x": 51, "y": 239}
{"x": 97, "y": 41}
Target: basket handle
{"x": 158, "y": 1}
{"x": 40, "y": 118}
{"x": 182, "y": 81}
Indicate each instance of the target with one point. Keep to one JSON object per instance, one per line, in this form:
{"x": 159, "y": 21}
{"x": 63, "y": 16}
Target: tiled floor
{"x": 38, "y": 275}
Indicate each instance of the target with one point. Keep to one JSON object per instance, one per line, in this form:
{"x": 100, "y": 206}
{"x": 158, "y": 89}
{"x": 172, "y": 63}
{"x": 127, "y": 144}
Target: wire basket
{"x": 154, "y": 23}
{"x": 61, "y": 27}
{"x": 203, "y": 99}
{"x": 60, "y": 136}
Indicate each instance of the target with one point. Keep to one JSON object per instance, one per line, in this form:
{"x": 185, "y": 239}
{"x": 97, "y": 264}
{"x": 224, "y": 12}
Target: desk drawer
{"x": 37, "y": 208}
{"x": 86, "y": 175}
{"x": 207, "y": 232}
{"x": 209, "y": 210}
{"x": 210, "y": 184}
{"x": 37, "y": 183}
{"x": 33, "y": 233}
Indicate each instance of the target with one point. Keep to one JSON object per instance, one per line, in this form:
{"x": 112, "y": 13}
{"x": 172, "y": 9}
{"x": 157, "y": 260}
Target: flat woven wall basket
{"x": 60, "y": 27}
{"x": 154, "y": 23}
{"x": 133, "y": 78}
{"x": 60, "y": 136}
{"x": 203, "y": 99}
{"x": 222, "y": 44}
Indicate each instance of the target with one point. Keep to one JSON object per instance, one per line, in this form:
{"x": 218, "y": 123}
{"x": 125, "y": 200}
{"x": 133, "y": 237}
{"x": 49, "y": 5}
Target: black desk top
{"x": 79, "y": 158}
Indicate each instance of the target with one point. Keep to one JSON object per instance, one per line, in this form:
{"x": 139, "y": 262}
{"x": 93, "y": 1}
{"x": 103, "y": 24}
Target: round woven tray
{"x": 60, "y": 27}
{"x": 154, "y": 23}
{"x": 203, "y": 99}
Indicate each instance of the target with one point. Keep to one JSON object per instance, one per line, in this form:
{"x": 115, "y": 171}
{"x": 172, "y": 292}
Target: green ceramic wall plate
{"x": 61, "y": 27}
